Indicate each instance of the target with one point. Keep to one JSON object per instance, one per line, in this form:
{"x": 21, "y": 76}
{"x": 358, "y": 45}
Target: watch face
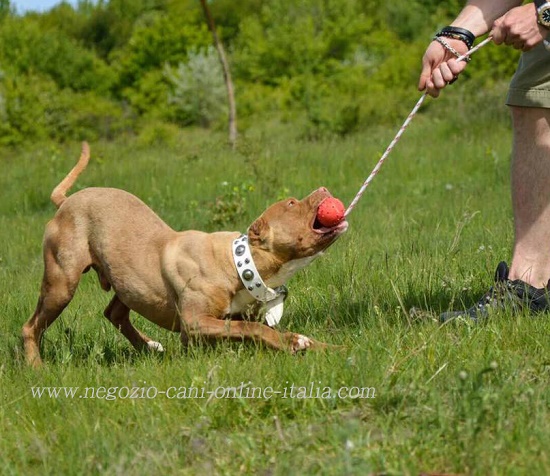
{"x": 544, "y": 15}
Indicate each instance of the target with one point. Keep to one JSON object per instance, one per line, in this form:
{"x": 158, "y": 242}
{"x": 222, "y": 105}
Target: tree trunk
{"x": 226, "y": 75}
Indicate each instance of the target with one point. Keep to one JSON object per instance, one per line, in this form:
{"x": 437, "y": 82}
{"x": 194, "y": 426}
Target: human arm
{"x": 438, "y": 64}
{"x": 519, "y": 28}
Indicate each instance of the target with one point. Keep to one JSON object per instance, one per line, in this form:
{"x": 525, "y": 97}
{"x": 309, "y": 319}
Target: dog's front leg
{"x": 197, "y": 323}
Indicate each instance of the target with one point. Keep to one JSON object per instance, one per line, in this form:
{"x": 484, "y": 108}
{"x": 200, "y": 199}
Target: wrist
{"x": 456, "y": 48}
{"x": 457, "y": 33}
{"x": 459, "y": 45}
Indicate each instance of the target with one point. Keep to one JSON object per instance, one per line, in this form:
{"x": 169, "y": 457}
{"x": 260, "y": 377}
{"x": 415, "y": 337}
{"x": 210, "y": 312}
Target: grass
{"x": 425, "y": 237}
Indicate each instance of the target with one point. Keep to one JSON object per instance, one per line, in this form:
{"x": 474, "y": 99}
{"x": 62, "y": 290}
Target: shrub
{"x": 24, "y": 112}
{"x": 330, "y": 114}
{"x": 158, "y": 133}
{"x": 198, "y": 93}
{"x": 149, "y": 95}
{"x": 33, "y": 108}
{"x": 158, "y": 38}
{"x": 231, "y": 206}
{"x": 27, "y": 49}
{"x": 87, "y": 116}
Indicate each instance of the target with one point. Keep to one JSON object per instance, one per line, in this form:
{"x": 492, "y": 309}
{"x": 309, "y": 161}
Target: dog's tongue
{"x": 330, "y": 212}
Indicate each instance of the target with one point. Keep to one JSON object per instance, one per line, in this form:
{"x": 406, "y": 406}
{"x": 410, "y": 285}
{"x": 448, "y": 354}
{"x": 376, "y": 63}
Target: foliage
{"x": 288, "y": 39}
{"x": 338, "y": 64}
{"x": 33, "y": 108}
{"x": 230, "y": 207}
{"x": 25, "y": 49}
{"x": 328, "y": 114}
{"x": 157, "y": 133}
{"x": 5, "y": 8}
{"x": 109, "y": 24}
{"x": 157, "y": 38}
{"x": 197, "y": 88}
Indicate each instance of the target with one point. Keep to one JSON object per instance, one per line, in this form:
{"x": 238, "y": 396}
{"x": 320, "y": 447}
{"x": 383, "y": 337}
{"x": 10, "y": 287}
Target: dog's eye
{"x": 291, "y": 203}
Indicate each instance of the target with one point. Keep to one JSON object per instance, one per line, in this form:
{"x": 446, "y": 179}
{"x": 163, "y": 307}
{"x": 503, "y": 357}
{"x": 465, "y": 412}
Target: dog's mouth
{"x": 325, "y": 230}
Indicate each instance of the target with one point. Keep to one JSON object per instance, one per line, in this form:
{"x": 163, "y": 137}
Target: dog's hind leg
{"x": 119, "y": 315}
{"x": 58, "y": 288}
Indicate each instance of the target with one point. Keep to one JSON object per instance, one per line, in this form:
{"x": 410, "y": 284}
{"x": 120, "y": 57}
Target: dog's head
{"x": 290, "y": 229}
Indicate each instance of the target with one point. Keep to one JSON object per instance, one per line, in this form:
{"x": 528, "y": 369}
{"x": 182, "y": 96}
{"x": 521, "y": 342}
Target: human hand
{"x": 519, "y": 28}
{"x": 439, "y": 66}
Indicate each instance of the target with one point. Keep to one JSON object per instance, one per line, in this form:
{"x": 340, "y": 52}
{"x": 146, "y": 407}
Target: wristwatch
{"x": 543, "y": 13}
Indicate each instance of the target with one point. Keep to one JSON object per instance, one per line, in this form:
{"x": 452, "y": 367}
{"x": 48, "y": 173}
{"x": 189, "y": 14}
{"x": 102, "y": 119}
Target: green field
{"x": 427, "y": 235}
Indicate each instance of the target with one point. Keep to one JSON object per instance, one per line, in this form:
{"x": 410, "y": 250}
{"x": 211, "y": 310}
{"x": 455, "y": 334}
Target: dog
{"x": 202, "y": 285}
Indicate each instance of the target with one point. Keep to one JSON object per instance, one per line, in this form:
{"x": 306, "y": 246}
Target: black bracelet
{"x": 457, "y": 33}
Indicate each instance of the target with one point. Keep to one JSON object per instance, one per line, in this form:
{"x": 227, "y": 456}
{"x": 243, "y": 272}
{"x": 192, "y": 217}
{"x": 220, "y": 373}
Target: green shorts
{"x": 530, "y": 86}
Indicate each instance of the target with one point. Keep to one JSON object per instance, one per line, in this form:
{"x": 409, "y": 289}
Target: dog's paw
{"x": 299, "y": 342}
{"x": 155, "y": 346}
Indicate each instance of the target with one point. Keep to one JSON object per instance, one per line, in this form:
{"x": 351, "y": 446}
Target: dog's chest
{"x": 242, "y": 301}
{"x": 288, "y": 270}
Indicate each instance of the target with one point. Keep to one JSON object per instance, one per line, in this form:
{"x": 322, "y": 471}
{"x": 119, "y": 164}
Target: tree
{"x": 5, "y": 8}
{"x": 226, "y": 75}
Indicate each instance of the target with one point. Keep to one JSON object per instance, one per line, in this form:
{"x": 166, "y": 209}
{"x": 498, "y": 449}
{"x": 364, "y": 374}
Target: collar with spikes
{"x": 254, "y": 284}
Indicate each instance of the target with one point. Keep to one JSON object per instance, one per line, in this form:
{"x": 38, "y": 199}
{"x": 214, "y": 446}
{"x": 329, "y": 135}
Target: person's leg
{"x": 531, "y": 195}
{"x": 522, "y": 286}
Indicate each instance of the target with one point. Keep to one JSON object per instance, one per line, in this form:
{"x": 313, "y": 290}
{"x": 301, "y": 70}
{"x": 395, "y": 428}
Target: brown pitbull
{"x": 189, "y": 282}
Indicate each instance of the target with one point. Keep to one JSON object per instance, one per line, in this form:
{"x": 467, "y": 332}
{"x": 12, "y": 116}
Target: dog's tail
{"x": 58, "y": 195}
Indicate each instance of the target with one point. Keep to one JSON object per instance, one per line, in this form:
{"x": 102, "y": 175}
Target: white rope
{"x": 400, "y": 133}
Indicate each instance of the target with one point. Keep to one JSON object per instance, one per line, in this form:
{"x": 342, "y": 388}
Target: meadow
{"x": 427, "y": 235}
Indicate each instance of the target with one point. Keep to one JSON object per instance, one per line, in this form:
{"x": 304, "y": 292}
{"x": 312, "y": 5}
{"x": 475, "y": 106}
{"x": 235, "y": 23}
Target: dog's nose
{"x": 320, "y": 193}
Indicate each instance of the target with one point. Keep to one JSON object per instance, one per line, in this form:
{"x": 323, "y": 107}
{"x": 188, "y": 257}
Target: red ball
{"x": 330, "y": 212}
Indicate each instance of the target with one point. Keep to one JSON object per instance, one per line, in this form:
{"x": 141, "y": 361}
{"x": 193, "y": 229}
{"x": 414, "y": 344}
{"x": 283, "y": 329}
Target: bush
{"x": 5, "y": 8}
{"x": 338, "y": 64}
{"x": 156, "y": 133}
{"x": 87, "y": 116}
{"x": 329, "y": 113}
{"x": 26, "y": 49}
{"x": 24, "y": 114}
{"x": 198, "y": 93}
{"x": 33, "y": 108}
{"x": 287, "y": 39}
{"x": 158, "y": 38}
{"x": 231, "y": 206}
{"x": 149, "y": 95}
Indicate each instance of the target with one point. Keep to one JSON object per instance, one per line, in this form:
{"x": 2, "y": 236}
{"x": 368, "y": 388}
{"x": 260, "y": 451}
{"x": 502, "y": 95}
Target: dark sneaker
{"x": 505, "y": 294}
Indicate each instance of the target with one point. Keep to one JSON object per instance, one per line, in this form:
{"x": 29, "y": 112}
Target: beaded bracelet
{"x": 448, "y": 47}
{"x": 457, "y": 33}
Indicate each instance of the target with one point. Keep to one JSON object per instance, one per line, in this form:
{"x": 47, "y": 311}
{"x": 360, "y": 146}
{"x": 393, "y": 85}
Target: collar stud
{"x": 272, "y": 298}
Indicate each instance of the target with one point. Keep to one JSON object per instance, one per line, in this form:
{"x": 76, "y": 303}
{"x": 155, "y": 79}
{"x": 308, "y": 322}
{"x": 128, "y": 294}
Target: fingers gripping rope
{"x": 400, "y": 133}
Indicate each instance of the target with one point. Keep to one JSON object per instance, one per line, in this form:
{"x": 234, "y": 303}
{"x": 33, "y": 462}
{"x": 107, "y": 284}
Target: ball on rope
{"x": 330, "y": 212}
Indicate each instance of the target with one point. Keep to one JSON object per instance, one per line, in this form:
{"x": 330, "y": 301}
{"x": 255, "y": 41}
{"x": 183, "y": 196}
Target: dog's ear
{"x": 258, "y": 232}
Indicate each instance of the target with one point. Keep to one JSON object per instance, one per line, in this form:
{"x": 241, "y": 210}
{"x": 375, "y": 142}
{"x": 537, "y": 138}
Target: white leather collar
{"x": 253, "y": 282}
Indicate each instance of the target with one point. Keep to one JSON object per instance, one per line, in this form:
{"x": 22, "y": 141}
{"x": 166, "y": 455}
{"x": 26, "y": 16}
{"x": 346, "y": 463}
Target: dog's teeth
{"x": 156, "y": 346}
